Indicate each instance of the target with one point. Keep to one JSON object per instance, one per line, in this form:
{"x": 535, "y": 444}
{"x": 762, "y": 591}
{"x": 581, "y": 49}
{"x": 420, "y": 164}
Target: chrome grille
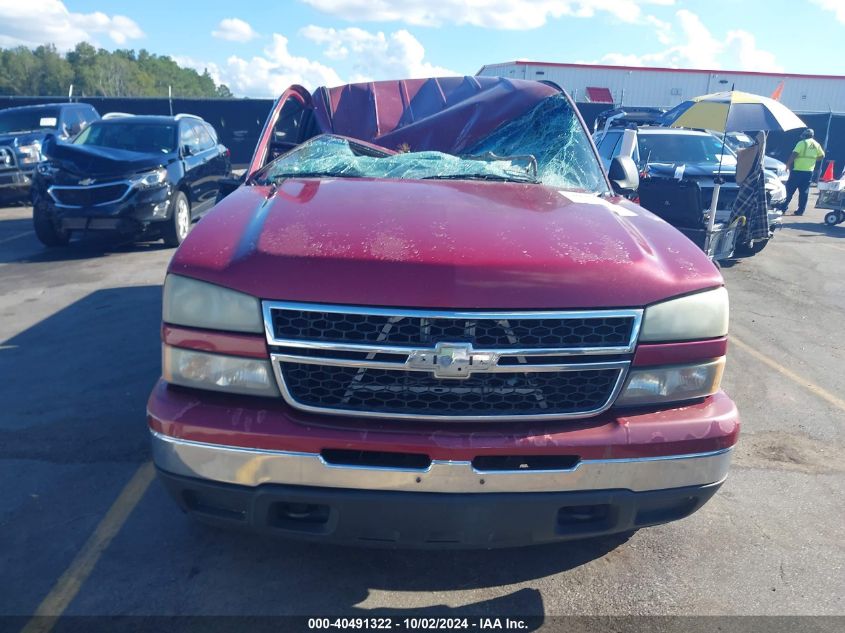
{"x": 415, "y": 330}
{"x": 449, "y": 365}
{"x": 413, "y": 392}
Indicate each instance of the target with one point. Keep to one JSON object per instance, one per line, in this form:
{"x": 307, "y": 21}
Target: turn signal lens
{"x": 661, "y": 385}
{"x": 233, "y": 374}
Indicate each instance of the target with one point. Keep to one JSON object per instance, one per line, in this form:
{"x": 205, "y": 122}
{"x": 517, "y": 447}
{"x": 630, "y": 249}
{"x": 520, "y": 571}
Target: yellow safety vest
{"x": 808, "y": 152}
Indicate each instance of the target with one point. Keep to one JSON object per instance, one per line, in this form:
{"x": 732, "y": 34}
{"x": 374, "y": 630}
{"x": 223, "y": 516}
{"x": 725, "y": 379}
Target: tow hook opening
{"x": 375, "y": 459}
{"x": 493, "y": 463}
{"x": 585, "y": 518}
{"x": 305, "y": 517}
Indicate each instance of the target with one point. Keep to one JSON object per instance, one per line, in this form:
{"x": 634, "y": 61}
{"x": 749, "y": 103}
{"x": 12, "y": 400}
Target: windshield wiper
{"x": 482, "y": 177}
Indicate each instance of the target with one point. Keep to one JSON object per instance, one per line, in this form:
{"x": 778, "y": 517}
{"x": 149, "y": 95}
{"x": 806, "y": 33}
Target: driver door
{"x": 283, "y": 129}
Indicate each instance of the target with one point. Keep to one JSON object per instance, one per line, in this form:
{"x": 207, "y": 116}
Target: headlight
{"x": 199, "y": 304}
{"x": 150, "y": 178}
{"x": 699, "y": 316}
{"x": 232, "y": 374}
{"x": 30, "y": 153}
{"x": 661, "y": 385}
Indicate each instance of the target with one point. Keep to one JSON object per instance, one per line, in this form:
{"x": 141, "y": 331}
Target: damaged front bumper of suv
{"x": 117, "y": 205}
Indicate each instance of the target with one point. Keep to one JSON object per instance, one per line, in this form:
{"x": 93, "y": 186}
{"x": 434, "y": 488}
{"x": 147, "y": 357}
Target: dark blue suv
{"x": 139, "y": 176}
{"x": 22, "y": 133}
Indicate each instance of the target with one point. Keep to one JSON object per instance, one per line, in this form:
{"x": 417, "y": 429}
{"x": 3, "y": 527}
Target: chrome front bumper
{"x": 254, "y": 467}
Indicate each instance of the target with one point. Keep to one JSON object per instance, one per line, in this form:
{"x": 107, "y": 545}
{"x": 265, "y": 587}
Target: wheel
{"x": 744, "y": 249}
{"x": 832, "y": 218}
{"x": 176, "y": 228}
{"x": 47, "y": 230}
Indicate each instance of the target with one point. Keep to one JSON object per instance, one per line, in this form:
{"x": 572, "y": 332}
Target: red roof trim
{"x": 663, "y": 69}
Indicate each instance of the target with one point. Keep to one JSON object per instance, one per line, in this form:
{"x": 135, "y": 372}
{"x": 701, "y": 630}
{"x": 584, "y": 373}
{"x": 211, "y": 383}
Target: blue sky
{"x": 258, "y": 48}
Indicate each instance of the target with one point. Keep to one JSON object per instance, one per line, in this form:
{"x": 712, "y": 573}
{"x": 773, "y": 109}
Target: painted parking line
{"x": 68, "y": 585}
{"x": 809, "y": 385}
{"x": 16, "y": 237}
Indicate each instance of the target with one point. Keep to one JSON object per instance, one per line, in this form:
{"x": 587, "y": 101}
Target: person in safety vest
{"x": 801, "y": 164}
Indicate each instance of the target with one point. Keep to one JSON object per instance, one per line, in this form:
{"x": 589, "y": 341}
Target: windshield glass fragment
{"x": 336, "y": 156}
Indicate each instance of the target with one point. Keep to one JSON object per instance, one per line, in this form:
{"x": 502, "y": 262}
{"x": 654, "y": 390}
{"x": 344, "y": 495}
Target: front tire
{"x": 176, "y": 228}
{"x": 46, "y": 230}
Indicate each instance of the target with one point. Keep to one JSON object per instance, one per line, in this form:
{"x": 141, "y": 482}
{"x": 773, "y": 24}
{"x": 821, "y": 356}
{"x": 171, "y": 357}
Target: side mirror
{"x": 623, "y": 175}
{"x": 227, "y": 186}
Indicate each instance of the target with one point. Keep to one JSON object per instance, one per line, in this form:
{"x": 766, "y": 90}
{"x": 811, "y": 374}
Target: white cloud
{"x": 268, "y": 74}
{"x": 213, "y": 69}
{"x": 695, "y": 46}
{"x": 234, "y": 30}
{"x": 39, "y": 22}
{"x": 376, "y": 55}
{"x": 371, "y": 56}
{"x": 837, "y": 7}
{"x": 497, "y": 14}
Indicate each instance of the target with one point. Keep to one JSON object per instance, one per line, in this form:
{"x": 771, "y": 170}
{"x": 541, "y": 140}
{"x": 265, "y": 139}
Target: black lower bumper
{"x": 431, "y": 520}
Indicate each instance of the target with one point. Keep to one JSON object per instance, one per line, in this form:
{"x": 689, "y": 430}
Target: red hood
{"x": 439, "y": 244}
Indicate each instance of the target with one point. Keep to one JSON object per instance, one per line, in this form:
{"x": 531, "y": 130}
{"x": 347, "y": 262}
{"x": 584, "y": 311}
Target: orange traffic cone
{"x": 828, "y": 173}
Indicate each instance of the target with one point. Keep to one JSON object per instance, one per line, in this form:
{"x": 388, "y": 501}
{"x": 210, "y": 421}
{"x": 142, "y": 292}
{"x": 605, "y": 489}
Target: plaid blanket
{"x": 751, "y": 203}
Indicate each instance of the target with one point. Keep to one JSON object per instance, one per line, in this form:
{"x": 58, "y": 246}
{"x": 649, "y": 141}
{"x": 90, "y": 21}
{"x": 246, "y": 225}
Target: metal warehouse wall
{"x": 668, "y": 87}
{"x": 238, "y": 121}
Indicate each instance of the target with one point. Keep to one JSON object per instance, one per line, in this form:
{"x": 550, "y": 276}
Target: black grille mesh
{"x": 89, "y": 196}
{"x": 420, "y": 393}
{"x": 482, "y": 333}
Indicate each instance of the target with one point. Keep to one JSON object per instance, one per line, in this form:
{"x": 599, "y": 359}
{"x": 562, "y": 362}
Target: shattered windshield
{"x": 546, "y": 145}
{"x": 339, "y": 157}
{"x": 553, "y": 134}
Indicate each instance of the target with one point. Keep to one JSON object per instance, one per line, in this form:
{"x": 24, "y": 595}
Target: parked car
{"x": 695, "y": 156}
{"x": 141, "y": 176}
{"x": 22, "y": 132}
{"x": 441, "y": 330}
{"x": 626, "y": 116}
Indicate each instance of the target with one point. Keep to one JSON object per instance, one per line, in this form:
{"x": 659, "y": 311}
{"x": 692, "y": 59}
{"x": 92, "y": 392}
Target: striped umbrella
{"x": 733, "y": 111}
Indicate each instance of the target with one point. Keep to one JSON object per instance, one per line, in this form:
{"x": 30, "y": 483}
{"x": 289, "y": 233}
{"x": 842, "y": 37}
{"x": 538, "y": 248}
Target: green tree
{"x": 98, "y": 72}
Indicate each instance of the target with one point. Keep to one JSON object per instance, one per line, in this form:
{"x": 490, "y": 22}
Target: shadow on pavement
{"x": 75, "y": 384}
{"x": 816, "y": 229}
{"x": 91, "y": 247}
{"x": 277, "y": 577}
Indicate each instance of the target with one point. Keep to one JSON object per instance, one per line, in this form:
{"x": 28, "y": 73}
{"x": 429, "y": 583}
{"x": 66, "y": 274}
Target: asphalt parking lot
{"x": 84, "y": 526}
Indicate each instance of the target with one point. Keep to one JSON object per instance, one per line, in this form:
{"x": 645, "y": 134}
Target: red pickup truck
{"x": 427, "y": 318}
